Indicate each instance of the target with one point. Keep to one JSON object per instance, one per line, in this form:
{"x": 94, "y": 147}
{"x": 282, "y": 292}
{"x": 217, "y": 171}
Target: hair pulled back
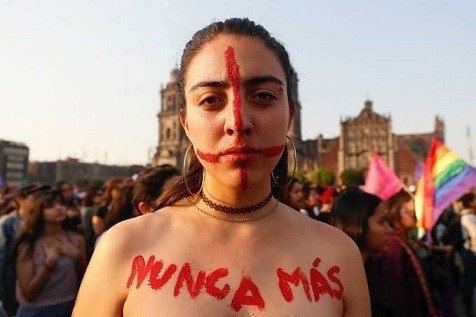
{"x": 240, "y": 27}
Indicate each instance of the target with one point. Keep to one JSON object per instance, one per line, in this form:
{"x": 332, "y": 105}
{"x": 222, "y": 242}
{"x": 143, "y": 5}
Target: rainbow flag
{"x": 445, "y": 178}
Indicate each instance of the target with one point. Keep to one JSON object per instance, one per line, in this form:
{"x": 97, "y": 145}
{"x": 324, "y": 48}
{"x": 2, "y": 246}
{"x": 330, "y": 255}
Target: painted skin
{"x": 254, "y": 257}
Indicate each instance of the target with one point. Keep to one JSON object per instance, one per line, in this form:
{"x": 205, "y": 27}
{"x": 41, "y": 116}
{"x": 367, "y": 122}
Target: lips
{"x": 240, "y": 151}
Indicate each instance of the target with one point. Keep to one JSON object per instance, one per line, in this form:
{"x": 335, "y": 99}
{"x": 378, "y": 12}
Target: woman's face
{"x": 237, "y": 113}
{"x": 296, "y": 196}
{"x": 379, "y": 232}
{"x": 407, "y": 215}
{"x": 55, "y": 213}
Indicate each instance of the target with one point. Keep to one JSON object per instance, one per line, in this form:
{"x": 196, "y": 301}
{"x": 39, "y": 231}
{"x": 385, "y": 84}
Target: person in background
{"x": 294, "y": 196}
{"x": 404, "y": 272}
{"x": 92, "y": 201}
{"x": 149, "y": 186}
{"x": 326, "y": 198}
{"x": 111, "y": 196}
{"x": 50, "y": 261}
{"x": 9, "y": 228}
{"x": 73, "y": 214}
{"x": 468, "y": 227}
{"x": 121, "y": 209}
{"x": 358, "y": 214}
{"x": 313, "y": 201}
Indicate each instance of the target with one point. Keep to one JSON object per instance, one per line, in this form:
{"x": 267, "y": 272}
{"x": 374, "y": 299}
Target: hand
{"x": 67, "y": 248}
{"x": 52, "y": 256}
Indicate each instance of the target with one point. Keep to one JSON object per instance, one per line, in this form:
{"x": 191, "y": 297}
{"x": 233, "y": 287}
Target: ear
{"x": 143, "y": 207}
{"x": 292, "y": 112}
{"x": 183, "y": 119}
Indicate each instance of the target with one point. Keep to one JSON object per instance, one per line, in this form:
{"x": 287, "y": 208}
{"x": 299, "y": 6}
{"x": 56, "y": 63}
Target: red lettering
{"x": 242, "y": 298}
{"x": 154, "y": 280}
{"x": 331, "y": 275}
{"x": 296, "y": 277}
{"x": 140, "y": 269}
{"x": 319, "y": 283}
{"x": 234, "y": 76}
{"x": 185, "y": 275}
{"x": 211, "y": 281}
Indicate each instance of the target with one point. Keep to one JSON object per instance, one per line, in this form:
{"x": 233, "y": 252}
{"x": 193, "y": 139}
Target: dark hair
{"x": 150, "y": 182}
{"x": 88, "y": 200}
{"x": 351, "y": 212}
{"x": 467, "y": 199}
{"x": 33, "y": 222}
{"x": 287, "y": 192}
{"x": 122, "y": 208}
{"x": 241, "y": 27}
{"x": 394, "y": 204}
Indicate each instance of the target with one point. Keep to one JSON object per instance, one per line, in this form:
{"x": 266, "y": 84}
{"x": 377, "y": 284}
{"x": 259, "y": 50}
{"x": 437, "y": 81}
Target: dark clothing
{"x": 381, "y": 303}
{"x": 402, "y": 281}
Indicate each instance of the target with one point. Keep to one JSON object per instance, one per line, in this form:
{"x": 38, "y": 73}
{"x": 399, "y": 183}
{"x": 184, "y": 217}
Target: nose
{"x": 237, "y": 120}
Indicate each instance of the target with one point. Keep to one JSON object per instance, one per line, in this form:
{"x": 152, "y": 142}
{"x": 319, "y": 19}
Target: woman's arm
{"x": 30, "y": 282}
{"x": 98, "y": 225}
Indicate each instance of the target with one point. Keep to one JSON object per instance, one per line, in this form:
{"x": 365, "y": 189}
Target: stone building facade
{"x": 361, "y": 136}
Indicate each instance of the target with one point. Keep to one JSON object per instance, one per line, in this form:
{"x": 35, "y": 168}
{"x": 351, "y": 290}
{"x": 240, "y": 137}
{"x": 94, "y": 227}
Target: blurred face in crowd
{"x": 296, "y": 196}
{"x": 407, "y": 215}
{"x": 55, "y": 213}
{"x": 379, "y": 232}
{"x": 67, "y": 192}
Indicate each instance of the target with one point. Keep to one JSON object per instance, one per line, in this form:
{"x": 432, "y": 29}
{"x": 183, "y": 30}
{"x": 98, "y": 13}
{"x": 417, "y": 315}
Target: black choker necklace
{"x": 233, "y": 210}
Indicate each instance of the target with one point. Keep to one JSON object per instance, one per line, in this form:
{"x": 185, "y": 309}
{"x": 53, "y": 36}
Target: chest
{"x": 225, "y": 287}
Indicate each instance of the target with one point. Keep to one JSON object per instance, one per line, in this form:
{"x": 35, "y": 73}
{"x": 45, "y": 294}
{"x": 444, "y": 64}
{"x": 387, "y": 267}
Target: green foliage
{"x": 300, "y": 177}
{"x": 352, "y": 178}
{"x": 323, "y": 177}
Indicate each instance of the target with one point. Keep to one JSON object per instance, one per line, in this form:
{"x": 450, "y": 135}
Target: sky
{"x": 82, "y": 78}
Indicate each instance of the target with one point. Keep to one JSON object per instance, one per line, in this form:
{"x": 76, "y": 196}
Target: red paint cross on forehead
{"x": 234, "y": 76}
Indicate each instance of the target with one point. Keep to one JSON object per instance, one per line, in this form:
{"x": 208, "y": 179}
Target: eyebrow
{"x": 248, "y": 82}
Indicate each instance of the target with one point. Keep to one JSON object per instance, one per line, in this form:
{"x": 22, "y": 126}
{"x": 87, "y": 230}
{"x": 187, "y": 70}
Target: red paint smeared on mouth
{"x": 208, "y": 157}
{"x": 273, "y": 151}
{"x": 234, "y": 76}
{"x": 244, "y": 178}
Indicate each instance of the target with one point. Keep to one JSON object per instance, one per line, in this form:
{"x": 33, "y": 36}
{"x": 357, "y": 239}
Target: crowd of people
{"x": 231, "y": 234}
{"x": 49, "y": 233}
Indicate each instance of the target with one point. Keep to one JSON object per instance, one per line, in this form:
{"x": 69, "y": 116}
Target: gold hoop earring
{"x": 185, "y": 168}
{"x": 294, "y": 169}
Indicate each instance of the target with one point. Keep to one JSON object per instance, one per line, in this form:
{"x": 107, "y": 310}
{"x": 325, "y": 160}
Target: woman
{"x": 358, "y": 214}
{"x": 90, "y": 205}
{"x": 111, "y": 197}
{"x": 294, "y": 196}
{"x": 404, "y": 272}
{"x": 49, "y": 260}
{"x": 221, "y": 243}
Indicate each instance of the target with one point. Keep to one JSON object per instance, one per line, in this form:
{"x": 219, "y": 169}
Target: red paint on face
{"x": 208, "y": 157}
{"x": 242, "y": 298}
{"x": 234, "y": 76}
{"x": 295, "y": 278}
{"x": 244, "y": 178}
{"x": 141, "y": 269}
{"x": 185, "y": 276}
{"x": 273, "y": 151}
{"x": 211, "y": 281}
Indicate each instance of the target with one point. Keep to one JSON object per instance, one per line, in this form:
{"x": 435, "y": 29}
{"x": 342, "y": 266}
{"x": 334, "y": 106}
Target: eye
{"x": 264, "y": 97}
{"x": 208, "y": 101}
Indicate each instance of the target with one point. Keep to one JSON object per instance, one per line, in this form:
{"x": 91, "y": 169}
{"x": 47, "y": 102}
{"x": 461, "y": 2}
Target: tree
{"x": 300, "y": 177}
{"x": 323, "y": 177}
{"x": 352, "y": 178}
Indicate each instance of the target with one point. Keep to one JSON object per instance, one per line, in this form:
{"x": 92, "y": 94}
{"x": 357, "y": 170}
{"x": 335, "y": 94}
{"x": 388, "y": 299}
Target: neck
{"x": 52, "y": 229}
{"x": 236, "y": 196}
